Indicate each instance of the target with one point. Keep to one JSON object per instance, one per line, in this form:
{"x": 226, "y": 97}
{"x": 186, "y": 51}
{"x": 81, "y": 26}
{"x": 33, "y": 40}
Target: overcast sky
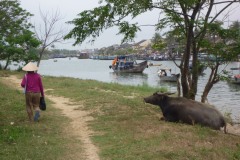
{"x": 69, "y": 10}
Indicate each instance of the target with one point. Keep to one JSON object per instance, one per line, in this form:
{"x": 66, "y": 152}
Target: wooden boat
{"x": 234, "y": 77}
{"x": 127, "y": 64}
{"x": 166, "y": 75}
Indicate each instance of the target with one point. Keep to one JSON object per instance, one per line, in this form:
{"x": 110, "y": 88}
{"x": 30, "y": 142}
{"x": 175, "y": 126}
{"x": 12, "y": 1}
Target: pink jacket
{"x": 34, "y": 83}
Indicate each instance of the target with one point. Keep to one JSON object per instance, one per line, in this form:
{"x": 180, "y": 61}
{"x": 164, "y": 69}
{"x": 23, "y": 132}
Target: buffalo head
{"x": 156, "y": 98}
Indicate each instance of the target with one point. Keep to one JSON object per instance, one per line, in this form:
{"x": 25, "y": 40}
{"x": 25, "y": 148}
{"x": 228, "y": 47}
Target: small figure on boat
{"x": 163, "y": 73}
{"x": 114, "y": 62}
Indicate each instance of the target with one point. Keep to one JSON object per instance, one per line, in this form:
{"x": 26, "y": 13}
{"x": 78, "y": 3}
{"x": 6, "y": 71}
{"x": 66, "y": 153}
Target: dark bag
{"x": 42, "y": 104}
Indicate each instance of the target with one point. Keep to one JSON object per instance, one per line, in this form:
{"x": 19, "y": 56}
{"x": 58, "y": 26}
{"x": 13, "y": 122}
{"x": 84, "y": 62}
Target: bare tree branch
{"x": 49, "y": 34}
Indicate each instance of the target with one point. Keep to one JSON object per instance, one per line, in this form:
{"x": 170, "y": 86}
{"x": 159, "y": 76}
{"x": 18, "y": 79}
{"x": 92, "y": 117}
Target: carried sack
{"x": 25, "y": 87}
{"x": 42, "y": 104}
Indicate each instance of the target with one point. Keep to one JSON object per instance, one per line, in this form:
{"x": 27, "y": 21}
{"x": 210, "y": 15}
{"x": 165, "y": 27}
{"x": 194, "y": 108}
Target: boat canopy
{"x": 121, "y": 57}
{"x": 126, "y": 57}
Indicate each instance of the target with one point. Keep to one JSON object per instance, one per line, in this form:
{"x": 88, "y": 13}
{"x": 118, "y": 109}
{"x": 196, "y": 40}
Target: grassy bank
{"x": 21, "y": 140}
{"x": 125, "y": 127}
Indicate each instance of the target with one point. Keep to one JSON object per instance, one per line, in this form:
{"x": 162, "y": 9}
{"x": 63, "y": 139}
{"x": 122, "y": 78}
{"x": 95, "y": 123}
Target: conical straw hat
{"x": 30, "y": 67}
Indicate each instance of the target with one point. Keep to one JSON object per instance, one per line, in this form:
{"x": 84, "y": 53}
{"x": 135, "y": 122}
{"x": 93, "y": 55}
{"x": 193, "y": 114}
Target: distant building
{"x": 142, "y": 45}
{"x": 89, "y": 51}
{"x": 83, "y": 55}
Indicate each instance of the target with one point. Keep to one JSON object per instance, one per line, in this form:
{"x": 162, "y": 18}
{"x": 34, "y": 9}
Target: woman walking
{"x": 32, "y": 83}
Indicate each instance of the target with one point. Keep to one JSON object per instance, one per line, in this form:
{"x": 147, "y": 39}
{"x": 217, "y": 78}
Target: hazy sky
{"x": 69, "y": 10}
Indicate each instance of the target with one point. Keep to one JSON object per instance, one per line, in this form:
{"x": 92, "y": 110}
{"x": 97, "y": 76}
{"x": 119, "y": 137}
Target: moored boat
{"x": 127, "y": 64}
{"x": 234, "y": 77}
{"x": 166, "y": 75}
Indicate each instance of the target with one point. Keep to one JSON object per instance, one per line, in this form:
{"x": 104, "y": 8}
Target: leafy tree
{"x": 235, "y": 26}
{"x": 223, "y": 44}
{"x": 187, "y": 20}
{"x": 158, "y": 42}
{"x": 16, "y": 39}
{"x": 174, "y": 43}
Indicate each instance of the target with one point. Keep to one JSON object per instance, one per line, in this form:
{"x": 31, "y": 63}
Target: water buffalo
{"x": 179, "y": 109}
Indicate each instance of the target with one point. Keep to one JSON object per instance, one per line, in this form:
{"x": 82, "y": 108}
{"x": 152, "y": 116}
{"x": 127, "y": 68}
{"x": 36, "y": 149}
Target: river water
{"x": 225, "y": 96}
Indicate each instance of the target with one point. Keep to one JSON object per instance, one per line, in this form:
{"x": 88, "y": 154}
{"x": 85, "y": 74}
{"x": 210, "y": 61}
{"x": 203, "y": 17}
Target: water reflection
{"x": 129, "y": 78}
{"x": 170, "y": 86}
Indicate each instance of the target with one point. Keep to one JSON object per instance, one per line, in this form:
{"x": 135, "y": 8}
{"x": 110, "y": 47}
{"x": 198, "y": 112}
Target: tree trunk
{"x": 178, "y": 86}
{"x": 40, "y": 56}
{"x": 7, "y": 63}
{"x": 185, "y": 67}
{"x": 211, "y": 81}
{"x": 207, "y": 88}
{"x": 194, "y": 84}
{"x": 190, "y": 80}
{"x": 39, "y": 60}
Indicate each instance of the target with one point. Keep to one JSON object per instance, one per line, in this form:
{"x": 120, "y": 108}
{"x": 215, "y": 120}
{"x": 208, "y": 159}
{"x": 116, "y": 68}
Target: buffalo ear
{"x": 163, "y": 94}
{"x": 170, "y": 93}
{"x": 160, "y": 93}
{"x": 155, "y": 93}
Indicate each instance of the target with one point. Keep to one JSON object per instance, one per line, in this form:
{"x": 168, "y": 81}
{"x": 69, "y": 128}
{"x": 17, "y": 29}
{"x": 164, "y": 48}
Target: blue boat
{"x": 127, "y": 64}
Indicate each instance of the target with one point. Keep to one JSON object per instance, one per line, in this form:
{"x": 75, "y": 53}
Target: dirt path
{"x": 79, "y": 120}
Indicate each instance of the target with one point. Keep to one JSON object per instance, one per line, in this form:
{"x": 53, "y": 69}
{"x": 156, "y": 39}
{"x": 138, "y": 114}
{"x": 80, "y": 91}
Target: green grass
{"x": 125, "y": 128}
